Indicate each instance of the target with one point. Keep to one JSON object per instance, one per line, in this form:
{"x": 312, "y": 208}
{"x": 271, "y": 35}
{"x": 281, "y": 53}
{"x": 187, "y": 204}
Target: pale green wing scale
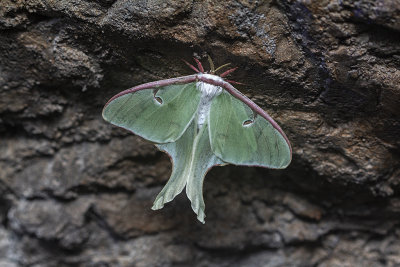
{"x": 241, "y": 136}
{"x": 158, "y": 114}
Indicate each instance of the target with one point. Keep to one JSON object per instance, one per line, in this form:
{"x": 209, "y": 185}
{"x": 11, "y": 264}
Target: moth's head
{"x": 212, "y": 70}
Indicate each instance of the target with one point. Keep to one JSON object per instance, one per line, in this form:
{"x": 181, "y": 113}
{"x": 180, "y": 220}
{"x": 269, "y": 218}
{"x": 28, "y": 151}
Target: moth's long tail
{"x": 194, "y": 191}
{"x": 192, "y": 157}
{"x": 175, "y": 185}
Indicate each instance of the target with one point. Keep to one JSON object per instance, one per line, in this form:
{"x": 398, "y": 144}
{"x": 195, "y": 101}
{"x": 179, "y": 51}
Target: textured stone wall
{"x": 76, "y": 191}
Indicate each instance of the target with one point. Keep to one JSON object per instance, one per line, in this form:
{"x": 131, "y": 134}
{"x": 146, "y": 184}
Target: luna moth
{"x": 201, "y": 121}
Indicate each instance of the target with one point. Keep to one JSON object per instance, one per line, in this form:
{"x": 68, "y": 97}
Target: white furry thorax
{"x": 209, "y": 89}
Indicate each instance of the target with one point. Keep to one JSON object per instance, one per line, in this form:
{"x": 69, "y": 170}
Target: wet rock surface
{"x": 76, "y": 191}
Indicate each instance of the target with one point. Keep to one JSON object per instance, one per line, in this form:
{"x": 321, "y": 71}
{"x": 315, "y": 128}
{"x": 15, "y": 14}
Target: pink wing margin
{"x": 156, "y": 84}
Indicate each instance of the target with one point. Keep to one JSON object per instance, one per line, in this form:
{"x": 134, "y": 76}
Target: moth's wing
{"x": 158, "y": 114}
{"x": 238, "y": 141}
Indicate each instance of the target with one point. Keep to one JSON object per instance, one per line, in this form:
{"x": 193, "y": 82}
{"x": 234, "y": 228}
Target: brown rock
{"x": 76, "y": 191}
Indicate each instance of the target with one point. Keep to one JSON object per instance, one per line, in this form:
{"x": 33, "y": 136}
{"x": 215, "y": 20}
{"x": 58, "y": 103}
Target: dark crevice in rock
{"x": 300, "y": 17}
{"x": 92, "y": 214}
{"x": 89, "y": 189}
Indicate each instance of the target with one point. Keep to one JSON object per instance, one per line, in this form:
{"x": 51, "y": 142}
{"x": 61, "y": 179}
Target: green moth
{"x": 201, "y": 121}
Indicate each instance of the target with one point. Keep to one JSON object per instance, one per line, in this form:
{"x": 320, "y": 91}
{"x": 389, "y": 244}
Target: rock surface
{"x": 76, "y": 191}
